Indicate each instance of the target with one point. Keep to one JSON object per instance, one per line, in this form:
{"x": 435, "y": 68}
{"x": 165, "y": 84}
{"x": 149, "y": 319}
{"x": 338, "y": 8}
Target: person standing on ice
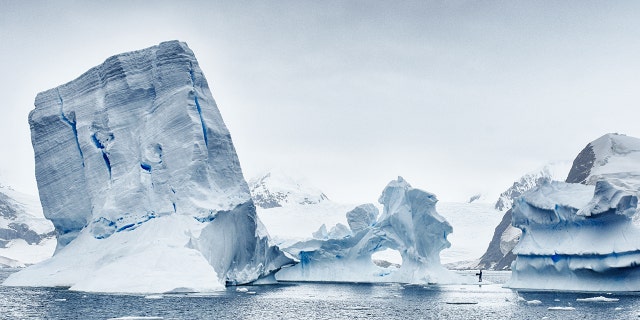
{"x": 479, "y": 276}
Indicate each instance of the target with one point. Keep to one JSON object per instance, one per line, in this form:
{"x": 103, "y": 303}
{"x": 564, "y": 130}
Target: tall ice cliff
{"x": 137, "y": 171}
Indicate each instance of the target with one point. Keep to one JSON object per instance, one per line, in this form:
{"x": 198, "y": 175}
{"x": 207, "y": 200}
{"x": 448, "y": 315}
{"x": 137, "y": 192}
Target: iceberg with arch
{"x": 409, "y": 224}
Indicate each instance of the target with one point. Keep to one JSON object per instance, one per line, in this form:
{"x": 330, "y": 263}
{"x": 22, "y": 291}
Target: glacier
{"x": 409, "y": 224}
{"x": 138, "y": 173}
{"x": 583, "y": 234}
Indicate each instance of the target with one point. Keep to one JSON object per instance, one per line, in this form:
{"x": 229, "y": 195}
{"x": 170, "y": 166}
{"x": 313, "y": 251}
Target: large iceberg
{"x": 138, "y": 174}
{"x": 583, "y": 234}
{"x": 409, "y": 224}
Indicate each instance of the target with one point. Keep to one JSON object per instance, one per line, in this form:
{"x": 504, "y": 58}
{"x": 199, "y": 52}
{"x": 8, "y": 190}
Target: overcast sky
{"x": 458, "y": 97}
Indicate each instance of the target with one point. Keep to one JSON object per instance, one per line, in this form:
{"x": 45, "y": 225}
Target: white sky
{"x": 459, "y": 97}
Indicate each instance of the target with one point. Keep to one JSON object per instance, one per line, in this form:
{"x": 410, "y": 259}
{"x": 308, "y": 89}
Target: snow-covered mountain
{"x": 276, "y": 189}
{"x": 551, "y": 171}
{"x": 137, "y": 171}
{"x": 498, "y": 255}
{"x": 26, "y": 237}
{"x": 292, "y": 209}
{"x": 583, "y": 234}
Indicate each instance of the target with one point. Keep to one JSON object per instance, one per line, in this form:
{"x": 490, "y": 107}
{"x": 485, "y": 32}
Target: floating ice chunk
{"x": 598, "y": 299}
{"x": 154, "y": 296}
{"x": 242, "y": 290}
{"x": 561, "y": 308}
{"x": 534, "y": 302}
{"x": 60, "y": 300}
{"x": 136, "y": 318}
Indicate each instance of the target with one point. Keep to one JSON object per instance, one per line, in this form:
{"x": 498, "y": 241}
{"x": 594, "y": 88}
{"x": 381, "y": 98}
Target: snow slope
{"x": 472, "y": 230}
{"x": 137, "y": 171}
{"x": 26, "y": 237}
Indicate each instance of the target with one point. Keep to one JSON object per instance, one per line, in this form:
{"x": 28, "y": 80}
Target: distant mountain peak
{"x": 277, "y": 189}
{"x": 478, "y": 197}
{"x": 610, "y": 154}
{"x": 551, "y": 171}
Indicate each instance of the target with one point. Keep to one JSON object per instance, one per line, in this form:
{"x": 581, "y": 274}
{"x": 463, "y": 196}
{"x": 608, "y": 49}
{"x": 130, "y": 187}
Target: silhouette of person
{"x": 479, "y": 276}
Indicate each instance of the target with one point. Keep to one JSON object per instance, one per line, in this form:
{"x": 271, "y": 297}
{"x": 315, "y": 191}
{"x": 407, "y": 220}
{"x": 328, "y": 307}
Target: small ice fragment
{"x": 561, "y": 308}
{"x": 556, "y": 300}
{"x": 251, "y": 292}
{"x": 598, "y": 299}
{"x": 60, "y": 300}
{"x": 242, "y": 289}
{"x": 534, "y": 302}
{"x": 153, "y": 296}
{"x": 136, "y": 318}
{"x": 521, "y": 298}
{"x": 618, "y": 308}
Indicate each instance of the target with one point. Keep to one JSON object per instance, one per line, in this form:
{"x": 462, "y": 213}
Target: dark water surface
{"x": 318, "y": 301}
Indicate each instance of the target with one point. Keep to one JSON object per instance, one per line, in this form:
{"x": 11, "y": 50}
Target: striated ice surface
{"x": 409, "y": 224}
{"x": 583, "y": 236}
{"x": 137, "y": 171}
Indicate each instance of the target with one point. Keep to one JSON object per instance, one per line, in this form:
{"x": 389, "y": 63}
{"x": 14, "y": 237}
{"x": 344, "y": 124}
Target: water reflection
{"x": 317, "y": 301}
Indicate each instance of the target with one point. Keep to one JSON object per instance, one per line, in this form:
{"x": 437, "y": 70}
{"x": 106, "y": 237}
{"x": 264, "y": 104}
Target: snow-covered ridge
{"x": 553, "y": 171}
{"x": 276, "y": 189}
{"x": 137, "y": 171}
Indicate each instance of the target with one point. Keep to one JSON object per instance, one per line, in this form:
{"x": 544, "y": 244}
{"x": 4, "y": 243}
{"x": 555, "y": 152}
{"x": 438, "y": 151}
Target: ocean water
{"x": 318, "y": 301}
